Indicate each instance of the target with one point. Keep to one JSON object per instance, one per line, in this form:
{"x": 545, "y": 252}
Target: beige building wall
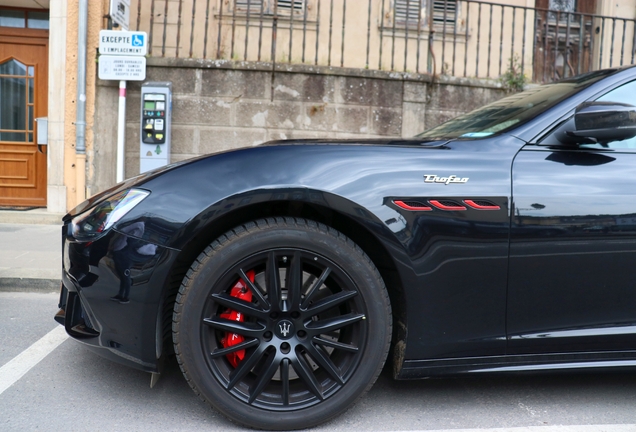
{"x": 186, "y": 29}
{"x": 67, "y": 172}
{"x": 56, "y": 189}
{"x": 75, "y": 168}
{"x": 617, "y": 32}
{"x": 481, "y": 44}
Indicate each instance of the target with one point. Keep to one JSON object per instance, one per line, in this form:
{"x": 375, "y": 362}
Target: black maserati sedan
{"x": 283, "y": 276}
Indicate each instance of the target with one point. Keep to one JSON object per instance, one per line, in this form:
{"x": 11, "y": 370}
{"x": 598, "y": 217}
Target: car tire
{"x": 313, "y": 338}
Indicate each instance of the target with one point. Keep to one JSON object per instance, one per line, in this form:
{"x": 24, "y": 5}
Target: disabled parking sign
{"x": 138, "y": 40}
{"x": 128, "y": 43}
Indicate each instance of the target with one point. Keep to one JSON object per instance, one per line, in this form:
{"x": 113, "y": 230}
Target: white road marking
{"x": 552, "y": 428}
{"x": 27, "y": 359}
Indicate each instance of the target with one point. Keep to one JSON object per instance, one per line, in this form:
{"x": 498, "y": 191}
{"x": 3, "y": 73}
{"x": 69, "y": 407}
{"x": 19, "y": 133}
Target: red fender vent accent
{"x": 447, "y": 205}
{"x": 412, "y": 205}
{"x": 481, "y": 205}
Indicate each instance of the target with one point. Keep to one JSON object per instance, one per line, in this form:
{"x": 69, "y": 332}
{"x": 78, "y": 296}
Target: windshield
{"x": 513, "y": 110}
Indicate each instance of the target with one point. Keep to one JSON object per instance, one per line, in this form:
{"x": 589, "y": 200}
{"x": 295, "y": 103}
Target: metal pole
{"x": 419, "y": 34}
{"x": 623, "y": 41}
{"x": 330, "y": 31}
{"x": 260, "y": 33}
{"x": 368, "y": 35}
{"x": 523, "y": 41}
{"x": 555, "y": 75}
{"x": 466, "y": 38}
{"x": 80, "y": 122}
{"x": 381, "y": 35}
{"x": 566, "y": 61}
{"x": 218, "y": 38}
{"x": 501, "y": 41}
{"x": 291, "y": 32}
{"x": 165, "y": 30}
{"x": 317, "y": 31}
{"x": 634, "y": 43}
{"x": 194, "y": 12}
{"x": 304, "y": 31}
{"x": 444, "y": 38}
{"x": 611, "y": 59}
{"x": 179, "y": 27}
{"x": 273, "y": 52}
{"x": 344, "y": 16}
{"x": 478, "y": 38}
{"x": 152, "y": 26}
{"x": 247, "y": 29}
{"x": 205, "y": 34}
{"x": 489, "y": 43}
{"x": 121, "y": 131}
{"x": 406, "y": 33}
{"x": 393, "y": 39}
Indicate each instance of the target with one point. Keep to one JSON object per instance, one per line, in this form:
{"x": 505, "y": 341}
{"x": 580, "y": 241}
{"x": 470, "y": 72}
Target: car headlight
{"x": 94, "y": 223}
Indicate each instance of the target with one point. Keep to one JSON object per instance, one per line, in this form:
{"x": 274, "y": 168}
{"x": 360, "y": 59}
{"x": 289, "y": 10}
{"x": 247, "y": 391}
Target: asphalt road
{"x": 73, "y": 389}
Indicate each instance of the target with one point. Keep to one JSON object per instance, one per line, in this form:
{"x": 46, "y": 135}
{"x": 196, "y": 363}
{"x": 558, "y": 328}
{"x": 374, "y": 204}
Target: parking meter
{"x": 155, "y": 134}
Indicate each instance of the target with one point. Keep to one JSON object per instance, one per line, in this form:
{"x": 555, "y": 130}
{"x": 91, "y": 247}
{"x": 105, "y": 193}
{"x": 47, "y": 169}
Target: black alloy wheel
{"x": 312, "y": 338}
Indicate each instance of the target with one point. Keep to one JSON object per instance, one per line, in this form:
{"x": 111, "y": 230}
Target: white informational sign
{"x": 120, "y": 13}
{"x": 122, "y": 68}
{"x": 130, "y": 43}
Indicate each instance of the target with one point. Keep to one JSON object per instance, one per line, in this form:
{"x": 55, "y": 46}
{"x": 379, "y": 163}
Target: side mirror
{"x": 602, "y": 122}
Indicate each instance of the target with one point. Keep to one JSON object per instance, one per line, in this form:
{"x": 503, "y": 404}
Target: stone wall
{"x": 222, "y": 105}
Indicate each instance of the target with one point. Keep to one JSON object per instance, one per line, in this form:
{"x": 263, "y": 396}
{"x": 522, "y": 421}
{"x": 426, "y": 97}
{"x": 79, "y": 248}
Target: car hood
{"x": 313, "y": 163}
{"x": 148, "y": 176}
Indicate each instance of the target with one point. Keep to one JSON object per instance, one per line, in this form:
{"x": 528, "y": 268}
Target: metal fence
{"x": 465, "y": 38}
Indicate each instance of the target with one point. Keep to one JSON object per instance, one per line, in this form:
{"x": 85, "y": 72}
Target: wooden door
{"x": 23, "y": 97}
{"x": 564, "y": 39}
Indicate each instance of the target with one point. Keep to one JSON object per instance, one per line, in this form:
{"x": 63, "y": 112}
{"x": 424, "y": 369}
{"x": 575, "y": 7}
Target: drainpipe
{"x": 80, "y": 123}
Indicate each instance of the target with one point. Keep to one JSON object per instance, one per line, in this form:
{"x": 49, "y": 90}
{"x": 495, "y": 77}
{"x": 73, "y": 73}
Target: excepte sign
{"x": 120, "y": 13}
{"x": 131, "y": 43}
{"x": 122, "y": 68}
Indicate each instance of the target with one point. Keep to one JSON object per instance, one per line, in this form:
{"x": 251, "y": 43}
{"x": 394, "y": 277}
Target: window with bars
{"x": 414, "y": 12}
{"x": 269, "y": 7}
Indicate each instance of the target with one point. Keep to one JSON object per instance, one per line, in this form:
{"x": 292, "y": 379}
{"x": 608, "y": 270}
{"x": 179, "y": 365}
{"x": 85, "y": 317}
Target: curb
{"x": 37, "y": 216}
{"x": 29, "y": 285}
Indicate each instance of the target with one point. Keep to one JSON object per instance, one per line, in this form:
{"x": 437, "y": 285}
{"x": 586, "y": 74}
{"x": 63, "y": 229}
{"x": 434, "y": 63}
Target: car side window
{"x": 623, "y": 94}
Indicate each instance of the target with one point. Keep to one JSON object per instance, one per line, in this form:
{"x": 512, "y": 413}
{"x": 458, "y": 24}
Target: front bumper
{"x": 112, "y": 296}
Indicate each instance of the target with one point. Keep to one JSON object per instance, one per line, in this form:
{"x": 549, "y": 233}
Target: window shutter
{"x": 408, "y": 11}
{"x": 284, "y": 6}
{"x": 287, "y": 5}
{"x": 451, "y": 12}
{"x": 254, "y": 5}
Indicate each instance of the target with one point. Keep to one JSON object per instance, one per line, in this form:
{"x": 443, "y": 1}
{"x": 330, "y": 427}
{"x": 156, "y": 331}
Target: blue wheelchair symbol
{"x": 138, "y": 40}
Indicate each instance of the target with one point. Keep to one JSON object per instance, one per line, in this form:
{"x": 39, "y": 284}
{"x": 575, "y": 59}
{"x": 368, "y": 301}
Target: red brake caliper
{"x": 240, "y": 291}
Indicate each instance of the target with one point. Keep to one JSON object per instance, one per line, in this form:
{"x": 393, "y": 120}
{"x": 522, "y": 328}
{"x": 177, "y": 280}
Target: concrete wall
{"x": 222, "y": 105}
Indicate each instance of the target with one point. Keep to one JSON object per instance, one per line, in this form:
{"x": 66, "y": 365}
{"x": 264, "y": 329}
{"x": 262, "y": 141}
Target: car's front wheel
{"x": 282, "y": 323}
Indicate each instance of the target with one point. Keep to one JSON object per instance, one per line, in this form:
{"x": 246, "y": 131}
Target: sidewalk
{"x": 30, "y": 251}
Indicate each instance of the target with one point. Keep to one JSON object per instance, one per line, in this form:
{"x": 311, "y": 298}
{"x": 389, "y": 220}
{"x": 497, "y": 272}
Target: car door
{"x": 572, "y": 275}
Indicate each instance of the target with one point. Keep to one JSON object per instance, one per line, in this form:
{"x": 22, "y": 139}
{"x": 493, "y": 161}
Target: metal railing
{"x": 464, "y": 38}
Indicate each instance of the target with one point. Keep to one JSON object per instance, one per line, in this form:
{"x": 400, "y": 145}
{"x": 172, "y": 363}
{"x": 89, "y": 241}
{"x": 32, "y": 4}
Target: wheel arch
{"x": 359, "y": 232}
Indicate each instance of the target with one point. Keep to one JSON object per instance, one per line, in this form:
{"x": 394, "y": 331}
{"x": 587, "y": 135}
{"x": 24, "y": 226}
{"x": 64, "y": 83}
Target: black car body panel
{"x": 537, "y": 273}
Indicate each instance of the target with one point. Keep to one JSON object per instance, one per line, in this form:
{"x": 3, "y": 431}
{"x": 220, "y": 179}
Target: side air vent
{"x": 412, "y": 205}
{"x": 482, "y": 205}
{"x": 447, "y": 205}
